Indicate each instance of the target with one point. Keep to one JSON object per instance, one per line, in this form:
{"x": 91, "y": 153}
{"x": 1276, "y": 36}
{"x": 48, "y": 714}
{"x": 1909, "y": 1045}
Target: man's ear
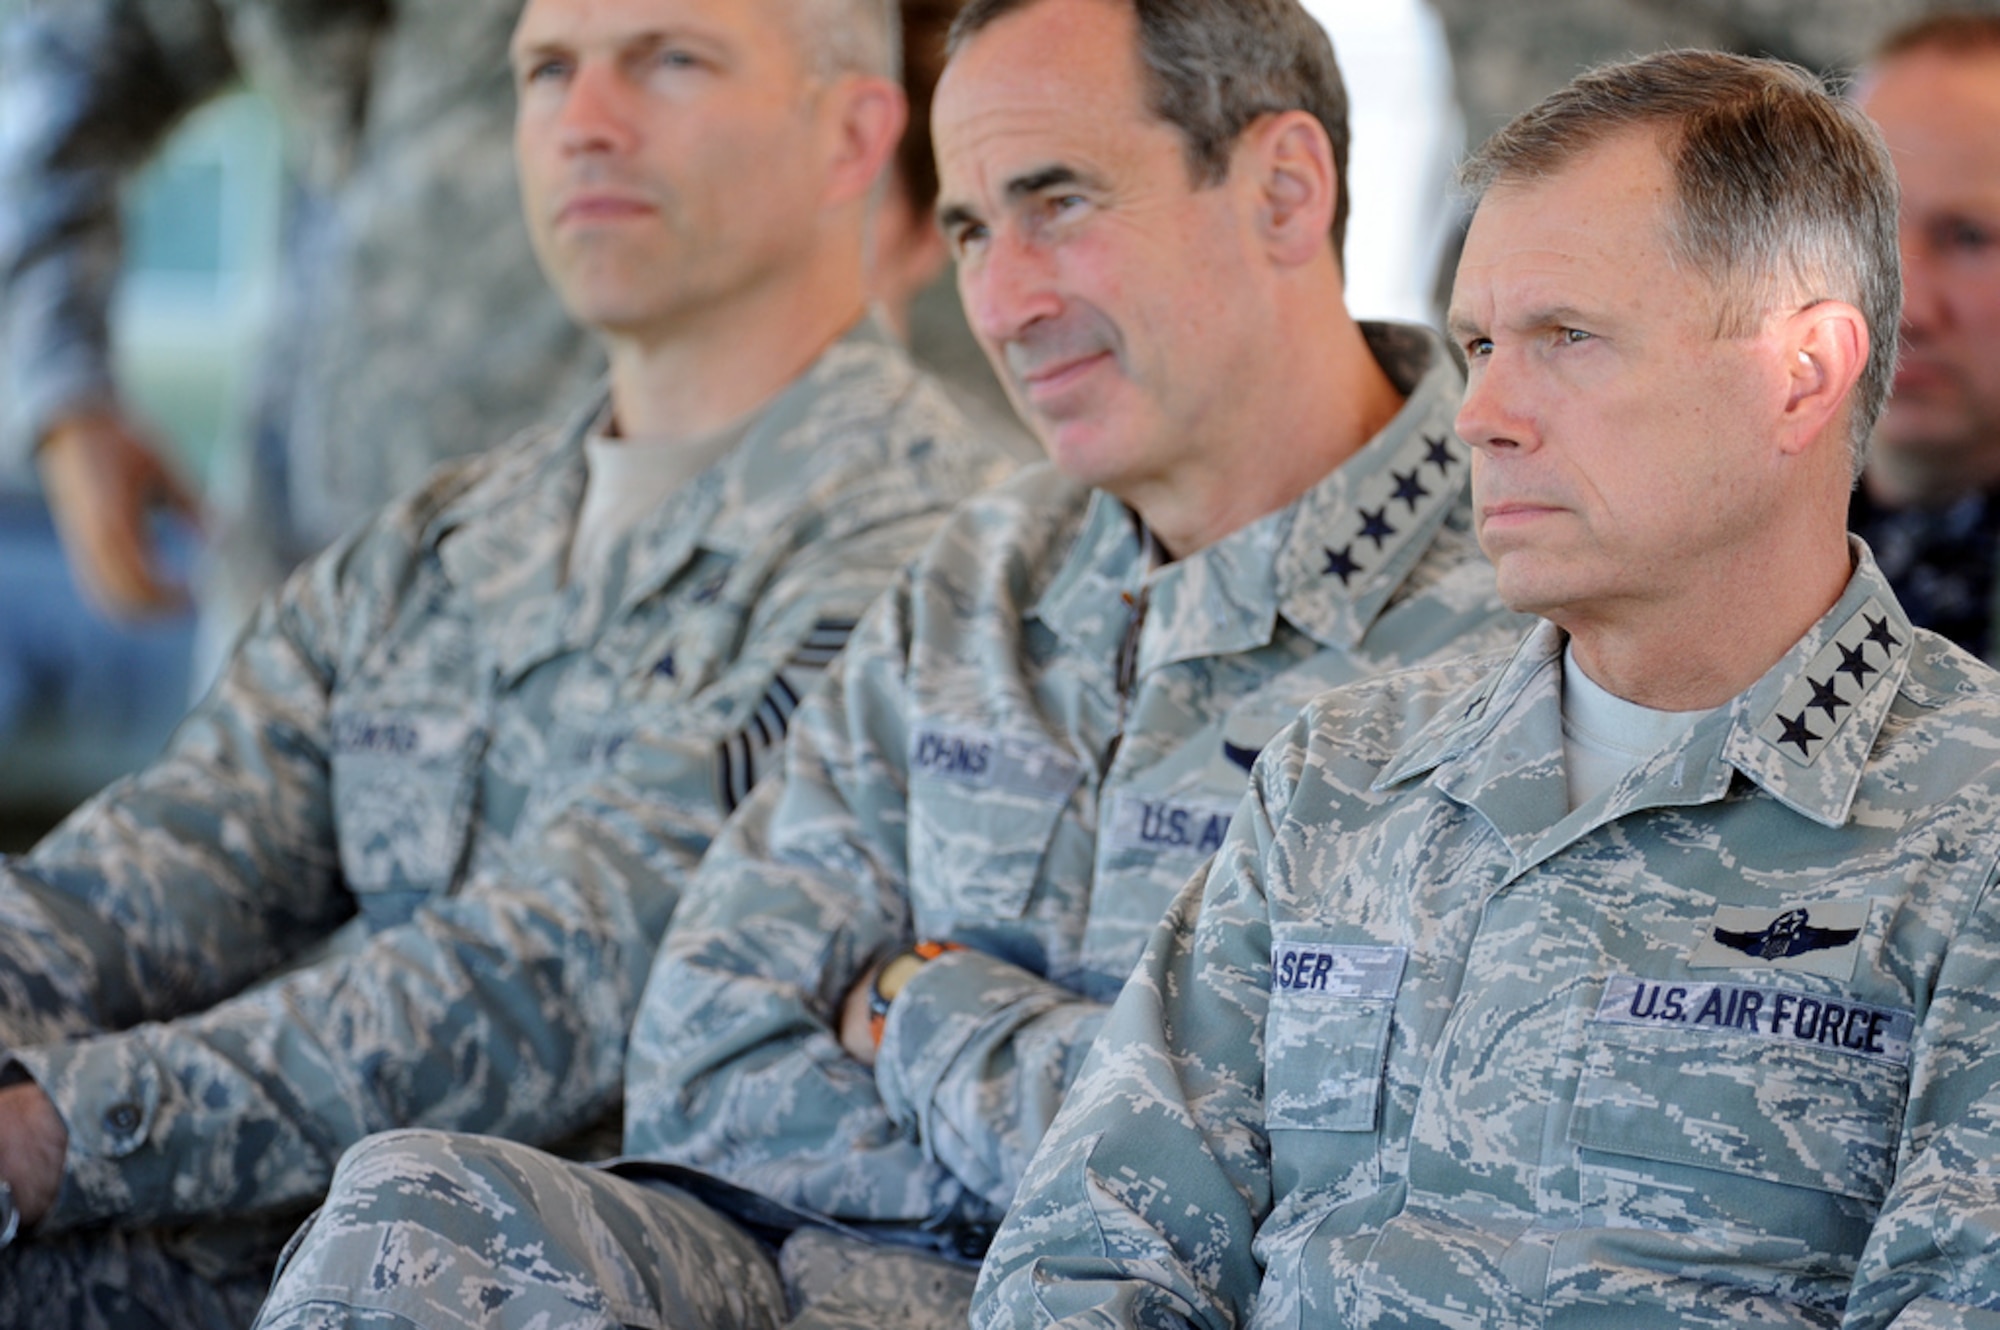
{"x": 1825, "y": 349}
{"x": 865, "y": 118}
{"x": 1288, "y": 162}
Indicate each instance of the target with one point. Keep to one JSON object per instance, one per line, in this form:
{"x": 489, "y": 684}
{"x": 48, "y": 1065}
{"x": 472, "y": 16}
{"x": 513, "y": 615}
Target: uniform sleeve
{"x": 735, "y": 1064}
{"x": 976, "y": 1057}
{"x": 1933, "y": 1258}
{"x": 88, "y": 88}
{"x": 1142, "y": 1203}
{"x": 501, "y": 1009}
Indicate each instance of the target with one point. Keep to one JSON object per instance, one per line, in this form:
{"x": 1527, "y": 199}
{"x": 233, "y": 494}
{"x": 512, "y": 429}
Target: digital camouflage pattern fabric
{"x": 504, "y": 781}
{"x": 412, "y": 324}
{"x": 1029, "y": 745}
{"x": 1424, "y": 1047}
{"x": 1037, "y": 737}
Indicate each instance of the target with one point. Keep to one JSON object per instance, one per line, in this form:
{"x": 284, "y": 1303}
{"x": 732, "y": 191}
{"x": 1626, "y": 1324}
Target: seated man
{"x": 1645, "y": 977}
{"x": 497, "y": 725}
{"x": 892, "y": 961}
{"x": 1929, "y": 503}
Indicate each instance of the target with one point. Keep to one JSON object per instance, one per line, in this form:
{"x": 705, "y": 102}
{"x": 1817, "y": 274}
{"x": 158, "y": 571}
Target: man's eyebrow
{"x": 1023, "y": 186}
{"x": 534, "y": 48}
{"x": 1463, "y": 327}
{"x": 954, "y": 215}
{"x": 1048, "y": 177}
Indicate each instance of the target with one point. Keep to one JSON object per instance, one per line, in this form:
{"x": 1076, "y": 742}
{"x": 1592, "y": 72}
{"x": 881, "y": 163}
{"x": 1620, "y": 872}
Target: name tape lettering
{"x": 1775, "y": 1014}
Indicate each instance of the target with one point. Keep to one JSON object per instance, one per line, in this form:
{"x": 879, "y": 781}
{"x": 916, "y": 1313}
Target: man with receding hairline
{"x": 886, "y": 972}
{"x": 408, "y": 862}
{"x": 1643, "y": 976}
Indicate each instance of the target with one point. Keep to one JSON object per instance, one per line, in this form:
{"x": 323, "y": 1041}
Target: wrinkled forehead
{"x": 575, "y": 24}
{"x": 1057, "y": 85}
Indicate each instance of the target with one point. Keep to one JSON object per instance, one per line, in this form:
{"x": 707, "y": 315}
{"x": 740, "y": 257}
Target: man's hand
{"x": 103, "y": 479}
{"x": 855, "y": 1036}
{"x": 33, "y": 1145}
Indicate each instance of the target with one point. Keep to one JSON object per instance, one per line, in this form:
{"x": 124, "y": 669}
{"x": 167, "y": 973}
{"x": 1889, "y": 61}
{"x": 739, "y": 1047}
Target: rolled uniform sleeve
{"x": 735, "y": 1065}
{"x": 87, "y": 91}
{"x": 976, "y": 1056}
{"x": 1141, "y": 1206}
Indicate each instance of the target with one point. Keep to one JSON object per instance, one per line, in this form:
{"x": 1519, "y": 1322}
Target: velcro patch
{"x": 984, "y": 760}
{"x": 1193, "y": 828}
{"x": 410, "y": 736}
{"x": 1777, "y": 1015}
{"x": 1328, "y": 970}
{"x": 1816, "y": 937}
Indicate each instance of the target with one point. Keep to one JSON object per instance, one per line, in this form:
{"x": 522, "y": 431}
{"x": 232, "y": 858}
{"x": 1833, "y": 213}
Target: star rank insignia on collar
{"x": 1389, "y": 507}
{"x": 1819, "y": 702}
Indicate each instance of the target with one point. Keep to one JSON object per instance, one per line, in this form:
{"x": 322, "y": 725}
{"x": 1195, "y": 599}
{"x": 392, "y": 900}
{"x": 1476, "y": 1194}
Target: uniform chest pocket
{"x": 983, "y": 809}
{"x": 403, "y": 784}
{"x": 1327, "y": 1036}
{"x": 1805, "y": 1091}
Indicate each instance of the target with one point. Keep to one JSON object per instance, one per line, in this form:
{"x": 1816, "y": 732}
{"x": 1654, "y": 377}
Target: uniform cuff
{"x": 945, "y": 1007}
{"x": 107, "y": 1091}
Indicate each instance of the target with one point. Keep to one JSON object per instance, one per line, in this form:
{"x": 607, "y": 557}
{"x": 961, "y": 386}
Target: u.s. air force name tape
{"x": 1779, "y": 1015}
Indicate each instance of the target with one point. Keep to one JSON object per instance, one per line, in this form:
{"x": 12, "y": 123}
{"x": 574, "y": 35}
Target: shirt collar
{"x": 1330, "y": 562}
{"x": 1802, "y": 732}
{"x": 511, "y": 529}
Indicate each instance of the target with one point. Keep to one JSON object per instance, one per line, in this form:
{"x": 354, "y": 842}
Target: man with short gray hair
{"x": 889, "y": 966}
{"x": 1643, "y": 977}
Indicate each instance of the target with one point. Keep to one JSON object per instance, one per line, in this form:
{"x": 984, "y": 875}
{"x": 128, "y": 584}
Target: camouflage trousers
{"x": 149, "y": 1279}
{"x": 454, "y": 1232}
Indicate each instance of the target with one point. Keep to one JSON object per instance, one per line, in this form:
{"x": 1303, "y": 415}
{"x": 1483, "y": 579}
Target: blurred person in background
{"x": 1929, "y": 503}
{"x": 407, "y": 861}
{"x": 411, "y": 323}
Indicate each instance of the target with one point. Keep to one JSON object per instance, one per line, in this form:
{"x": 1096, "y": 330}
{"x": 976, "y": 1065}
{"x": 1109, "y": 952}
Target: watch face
{"x": 897, "y": 973}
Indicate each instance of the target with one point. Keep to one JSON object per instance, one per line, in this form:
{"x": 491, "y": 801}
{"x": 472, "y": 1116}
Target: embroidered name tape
{"x": 1777, "y": 1015}
{"x": 1192, "y": 828}
{"x": 389, "y": 734}
{"x": 1336, "y": 971}
{"x": 983, "y": 760}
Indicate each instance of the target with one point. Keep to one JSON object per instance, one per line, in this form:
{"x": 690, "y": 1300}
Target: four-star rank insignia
{"x": 1390, "y": 507}
{"x": 1852, "y": 664}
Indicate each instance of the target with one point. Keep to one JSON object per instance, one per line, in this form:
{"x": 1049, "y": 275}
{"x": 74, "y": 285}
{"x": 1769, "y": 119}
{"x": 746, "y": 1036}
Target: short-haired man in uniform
{"x": 1644, "y": 977}
{"x": 1929, "y": 503}
{"x": 897, "y": 953}
{"x": 496, "y": 727}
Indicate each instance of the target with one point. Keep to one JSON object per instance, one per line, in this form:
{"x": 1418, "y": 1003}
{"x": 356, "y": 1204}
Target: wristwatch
{"x": 10, "y": 1218}
{"x": 894, "y": 974}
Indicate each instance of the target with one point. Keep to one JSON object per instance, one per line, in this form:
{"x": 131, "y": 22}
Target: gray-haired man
{"x": 1644, "y": 978}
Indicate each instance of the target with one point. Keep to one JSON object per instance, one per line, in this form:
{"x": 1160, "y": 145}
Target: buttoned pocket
{"x": 1327, "y": 1036}
{"x": 983, "y": 809}
{"x": 1796, "y": 1113}
{"x": 1768, "y": 1158}
{"x": 402, "y": 799}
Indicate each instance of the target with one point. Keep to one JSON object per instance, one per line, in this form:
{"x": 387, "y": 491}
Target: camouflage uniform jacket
{"x": 507, "y": 779}
{"x": 963, "y": 777}
{"x": 1425, "y": 1048}
{"x": 413, "y": 325}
